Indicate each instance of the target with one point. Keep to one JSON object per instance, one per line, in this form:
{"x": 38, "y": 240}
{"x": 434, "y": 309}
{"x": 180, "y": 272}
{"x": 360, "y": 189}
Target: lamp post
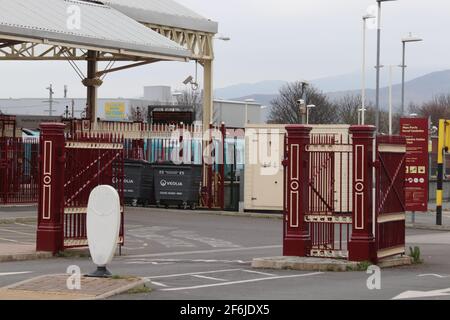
{"x": 309, "y": 106}
{"x": 302, "y": 102}
{"x": 222, "y": 38}
{"x": 406, "y": 40}
{"x": 363, "y": 87}
{"x": 391, "y": 67}
{"x": 377, "y": 99}
{"x": 247, "y": 101}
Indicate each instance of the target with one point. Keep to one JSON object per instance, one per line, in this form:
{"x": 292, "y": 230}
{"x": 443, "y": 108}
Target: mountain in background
{"x": 244, "y": 89}
{"x": 345, "y": 82}
{"x": 417, "y": 91}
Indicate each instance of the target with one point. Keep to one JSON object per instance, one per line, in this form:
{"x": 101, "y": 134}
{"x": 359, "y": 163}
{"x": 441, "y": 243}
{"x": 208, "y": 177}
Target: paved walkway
{"x": 20, "y": 252}
{"x": 428, "y": 220}
{"x": 55, "y": 287}
{"x": 9, "y": 213}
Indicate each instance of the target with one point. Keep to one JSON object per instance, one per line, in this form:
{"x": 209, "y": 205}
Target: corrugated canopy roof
{"x": 102, "y": 28}
{"x": 165, "y": 13}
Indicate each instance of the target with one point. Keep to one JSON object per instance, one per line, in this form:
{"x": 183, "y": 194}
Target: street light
{"x": 377, "y": 103}
{"x": 302, "y": 102}
{"x": 309, "y": 106}
{"x": 410, "y": 38}
{"x": 222, "y": 37}
{"x": 391, "y": 67}
{"x": 247, "y": 101}
{"x": 363, "y": 93}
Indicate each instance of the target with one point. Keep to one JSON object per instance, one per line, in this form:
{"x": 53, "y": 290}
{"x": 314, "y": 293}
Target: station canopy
{"x": 165, "y": 13}
{"x": 102, "y": 28}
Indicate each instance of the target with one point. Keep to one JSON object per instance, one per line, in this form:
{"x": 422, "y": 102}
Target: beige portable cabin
{"x": 263, "y": 182}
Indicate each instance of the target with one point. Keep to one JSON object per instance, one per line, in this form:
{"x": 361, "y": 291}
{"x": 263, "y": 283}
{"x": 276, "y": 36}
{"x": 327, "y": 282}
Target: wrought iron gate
{"x": 90, "y": 160}
{"x": 71, "y": 166}
{"x": 344, "y": 194}
{"x": 329, "y": 213}
{"x": 18, "y": 170}
{"x": 390, "y": 196}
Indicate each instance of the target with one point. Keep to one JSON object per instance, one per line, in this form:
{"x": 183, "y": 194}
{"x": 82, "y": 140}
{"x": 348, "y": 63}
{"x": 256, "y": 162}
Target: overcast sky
{"x": 270, "y": 40}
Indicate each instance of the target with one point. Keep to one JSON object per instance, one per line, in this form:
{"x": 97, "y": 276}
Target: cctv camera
{"x": 300, "y": 102}
{"x": 188, "y": 80}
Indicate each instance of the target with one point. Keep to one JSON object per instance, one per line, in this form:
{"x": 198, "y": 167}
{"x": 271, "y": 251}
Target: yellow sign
{"x": 115, "y": 111}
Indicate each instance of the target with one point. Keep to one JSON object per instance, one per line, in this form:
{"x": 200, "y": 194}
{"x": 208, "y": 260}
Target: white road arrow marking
{"x": 422, "y": 294}
{"x": 14, "y": 273}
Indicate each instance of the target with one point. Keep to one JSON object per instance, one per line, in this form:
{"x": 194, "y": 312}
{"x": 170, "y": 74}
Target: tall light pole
{"x": 363, "y": 87}
{"x": 410, "y": 38}
{"x": 377, "y": 99}
{"x": 50, "y": 100}
{"x": 391, "y": 67}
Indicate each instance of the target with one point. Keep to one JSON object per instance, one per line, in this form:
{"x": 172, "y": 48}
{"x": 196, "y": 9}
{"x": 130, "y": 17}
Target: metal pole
{"x": 377, "y": 100}
{"x": 403, "y": 78}
{"x": 307, "y": 115}
{"x": 440, "y": 177}
{"x": 363, "y": 93}
{"x": 390, "y": 100}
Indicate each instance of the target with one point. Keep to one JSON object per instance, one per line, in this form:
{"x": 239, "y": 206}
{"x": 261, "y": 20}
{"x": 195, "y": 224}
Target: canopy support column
{"x": 92, "y": 82}
{"x": 207, "y": 93}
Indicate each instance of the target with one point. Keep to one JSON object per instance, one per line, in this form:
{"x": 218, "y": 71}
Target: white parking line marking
{"x": 191, "y": 274}
{"x": 240, "y": 282}
{"x": 159, "y": 284}
{"x": 25, "y": 225}
{"x": 432, "y": 275}
{"x": 18, "y": 232}
{"x": 14, "y": 273}
{"x": 149, "y": 262}
{"x": 261, "y": 273}
{"x": 201, "y": 251}
{"x": 4, "y": 239}
{"x": 209, "y": 278}
{"x": 172, "y": 261}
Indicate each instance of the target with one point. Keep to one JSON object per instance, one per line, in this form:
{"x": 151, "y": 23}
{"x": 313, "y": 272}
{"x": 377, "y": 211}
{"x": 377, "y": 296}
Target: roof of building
{"x": 164, "y": 12}
{"x": 102, "y": 28}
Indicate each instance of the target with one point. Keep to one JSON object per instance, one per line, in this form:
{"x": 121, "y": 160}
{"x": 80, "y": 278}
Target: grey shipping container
{"x": 177, "y": 185}
{"x": 138, "y": 183}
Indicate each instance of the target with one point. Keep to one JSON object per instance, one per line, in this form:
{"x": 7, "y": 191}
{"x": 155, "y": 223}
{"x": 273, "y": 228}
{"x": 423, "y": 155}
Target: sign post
{"x": 416, "y": 185}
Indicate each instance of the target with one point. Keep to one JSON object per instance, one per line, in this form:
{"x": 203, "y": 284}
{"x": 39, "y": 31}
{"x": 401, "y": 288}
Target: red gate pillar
{"x": 362, "y": 242}
{"x": 50, "y": 235}
{"x": 296, "y": 236}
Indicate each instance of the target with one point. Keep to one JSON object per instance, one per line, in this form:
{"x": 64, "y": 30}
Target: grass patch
{"x": 415, "y": 254}
{"x": 363, "y": 266}
{"x": 140, "y": 290}
{"x": 72, "y": 254}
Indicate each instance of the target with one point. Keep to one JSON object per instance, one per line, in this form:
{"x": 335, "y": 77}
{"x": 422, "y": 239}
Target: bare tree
{"x": 348, "y": 112}
{"x": 285, "y": 109}
{"x": 348, "y": 109}
{"x": 192, "y": 98}
{"x": 437, "y": 108}
{"x": 137, "y": 114}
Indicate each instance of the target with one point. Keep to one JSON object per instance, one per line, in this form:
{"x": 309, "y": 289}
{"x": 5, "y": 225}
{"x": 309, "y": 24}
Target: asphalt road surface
{"x": 196, "y": 256}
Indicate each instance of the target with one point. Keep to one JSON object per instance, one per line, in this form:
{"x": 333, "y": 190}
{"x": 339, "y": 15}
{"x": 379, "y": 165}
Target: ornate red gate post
{"x": 50, "y": 235}
{"x": 296, "y": 236}
{"x": 362, "y": 243}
